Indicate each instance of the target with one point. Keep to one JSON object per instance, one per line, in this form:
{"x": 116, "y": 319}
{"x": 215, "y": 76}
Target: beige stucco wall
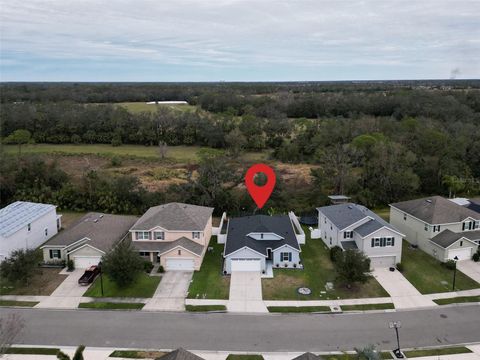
{"x": 184, "y": 254}
{"x": 86, "y": 251}
{"x": 46, "y": 254}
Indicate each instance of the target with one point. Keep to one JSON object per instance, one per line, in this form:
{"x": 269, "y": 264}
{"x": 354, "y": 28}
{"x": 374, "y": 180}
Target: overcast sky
{"x": 238, "y": 40}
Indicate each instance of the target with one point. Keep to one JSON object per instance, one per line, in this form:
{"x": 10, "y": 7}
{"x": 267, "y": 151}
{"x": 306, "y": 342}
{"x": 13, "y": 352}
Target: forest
{"x": 375, "y": 141}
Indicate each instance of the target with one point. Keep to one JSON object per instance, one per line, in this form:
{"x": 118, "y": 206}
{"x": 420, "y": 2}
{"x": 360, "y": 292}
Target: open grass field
{"x": 138, "y": 107}
{"x": 318, "y": 269}
{"x": 143, "y": 287}
{"x": 43, "y": 282}
{"x": 429, "y": 276}
{"x": 383, "y": 212}
{"x": 209, "y": 283}
{"x": 177, "y": 154}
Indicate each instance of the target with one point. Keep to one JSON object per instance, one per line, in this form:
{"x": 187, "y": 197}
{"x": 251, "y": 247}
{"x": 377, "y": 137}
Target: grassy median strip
{"x": 111, "y": 306}
{"x": 32, "y": 351}
{"x": 244, "y": 357}
{"x": 298, "y": 309}
{"x": 365, "y": 307}
{"x": 18, "y": 303}
{"x": 383, "y": 355}
{"x": 137, "y": 354}
{"x": 205, "y": 307}
{"x": 455, "y": 300}
{"x": 437, "y": 352}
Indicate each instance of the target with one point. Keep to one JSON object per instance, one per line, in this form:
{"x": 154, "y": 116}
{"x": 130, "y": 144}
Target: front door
{"x": 269, "y": 254}
{"x": 157, "y": 259}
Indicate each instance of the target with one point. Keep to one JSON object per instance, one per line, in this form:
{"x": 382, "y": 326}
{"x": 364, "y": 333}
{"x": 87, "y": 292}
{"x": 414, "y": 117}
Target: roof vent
{"x": 95, "y": 221}
{"x": 350, "y": 206}
{"x": 101, "y": 216}
{"x": 429, "y": 201}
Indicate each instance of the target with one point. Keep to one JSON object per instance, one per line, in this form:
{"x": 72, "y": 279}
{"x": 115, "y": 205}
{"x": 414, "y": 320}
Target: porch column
{"x": 151, "y": 256}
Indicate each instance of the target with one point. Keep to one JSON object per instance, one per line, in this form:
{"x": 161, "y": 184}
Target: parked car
{"x": 89, "y": 275}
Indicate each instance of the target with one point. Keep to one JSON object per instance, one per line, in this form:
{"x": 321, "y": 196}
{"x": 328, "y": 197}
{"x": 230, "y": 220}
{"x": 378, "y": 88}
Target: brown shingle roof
{"x": 436, "y": 210}
{"x": 164, "y": 246}
{"x": 175, "y": 216}
{"x": 103, "y": 230}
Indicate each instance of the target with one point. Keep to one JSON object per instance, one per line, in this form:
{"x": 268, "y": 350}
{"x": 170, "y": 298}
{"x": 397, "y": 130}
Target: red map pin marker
{"x": 260, "y": 194}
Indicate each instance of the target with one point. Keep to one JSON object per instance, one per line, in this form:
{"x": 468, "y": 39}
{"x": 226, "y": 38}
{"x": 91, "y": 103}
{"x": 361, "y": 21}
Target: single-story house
{"x": 88, "y": 239}
{"x": 451, "y": 245}
{"x": 254, "y": 242}
{"x": 175, "y": 235}
{"x": 353, "y": 226}
{"x": 26, "y": 225}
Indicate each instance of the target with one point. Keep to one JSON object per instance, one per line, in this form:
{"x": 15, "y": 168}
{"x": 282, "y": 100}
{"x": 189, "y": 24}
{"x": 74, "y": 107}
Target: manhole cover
{"x": 304, "y": 291}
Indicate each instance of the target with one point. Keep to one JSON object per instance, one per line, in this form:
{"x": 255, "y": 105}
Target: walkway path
{"x": 404, "y": 294}
{"x": 246, "y": 292}
{"x": 171, "y": 292}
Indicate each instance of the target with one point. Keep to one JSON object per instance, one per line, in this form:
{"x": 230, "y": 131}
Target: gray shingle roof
{"x": 436, "y": 210}
{"x": 19, "y": 214}
{"x": 238, "y": 228}
{"x": 103, "y": 230}
{"x": 180, "y": 354}
{"x": 164, "y": 246}
{"x": 175, "y": 216}
{"x": 344, "y": 215}
{"x": 349, "y": 244}
{"x": 448, "y": 237}
{"x": 307, "y": 356}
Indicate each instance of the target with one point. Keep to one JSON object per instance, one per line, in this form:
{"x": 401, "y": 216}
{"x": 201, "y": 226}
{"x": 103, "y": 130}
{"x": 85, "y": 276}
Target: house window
{"x": 29, "y": 227}
{"x": 142, "y": 235}
{"x": 285, "y": 256}
{"x": 468, "y": 225}
{"x": 196, "y": 235}
{"x": 405, "y": 217}
{"x": 461, "y": 243}
{"x": 179, "y": 252}
{"x": 436, "y": 228}
{"x": 46, "y": 231}
{"x": 348, "y": 234}
{"x": 144, "y": 253}
{"x": 383, "y": 241}
{"x": 159, "y": 235}
{"x": 477, "y": 225}
{"x": 55, "y": 254}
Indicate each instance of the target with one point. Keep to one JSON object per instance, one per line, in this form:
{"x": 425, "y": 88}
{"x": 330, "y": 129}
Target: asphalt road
{"x": 292, "y": 332}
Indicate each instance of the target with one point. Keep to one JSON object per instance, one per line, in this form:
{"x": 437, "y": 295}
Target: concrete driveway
{"x": 68, "y": 294}
{"x": 404, "y": 295}
{"x": 246, "y": 292}
{"x": 171, "y": 292}
{"x": 470, "y": 268}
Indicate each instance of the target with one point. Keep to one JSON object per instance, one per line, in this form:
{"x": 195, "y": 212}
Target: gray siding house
{"x": 254, "y": 243}
{"x": 425, "y": 220}
{"x": 353, "y": 226}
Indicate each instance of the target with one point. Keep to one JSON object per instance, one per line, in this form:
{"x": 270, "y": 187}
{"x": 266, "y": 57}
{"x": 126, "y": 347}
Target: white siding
{"x": 243, "y": 254}
{"x": 290, "y": 264}
{"x": 395, "y": 251}
{"x": 24, "y": 239}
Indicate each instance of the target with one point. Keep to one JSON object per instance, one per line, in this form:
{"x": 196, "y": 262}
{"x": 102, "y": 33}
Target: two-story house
{"x": 353, "y": 226}
{"x": 175, "y": 235}
{"x": 261, "y": 242}
{"x": 26, "y": 225}
{"x": 438, "y": 226}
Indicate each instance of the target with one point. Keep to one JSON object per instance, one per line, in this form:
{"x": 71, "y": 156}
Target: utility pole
{"x": 101, "y": 277}
{"x": 397, "y": 325}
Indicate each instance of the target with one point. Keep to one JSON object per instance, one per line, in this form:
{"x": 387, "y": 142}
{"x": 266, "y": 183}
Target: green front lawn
{"x": 365, "y": 307}
{"x": 244, "y": 357}
{"x": 429, "y": 276}
{"x": 205, "y": 307}
{"x": 209, "y": 283}
{"x": 298, "y": 309}
{"x": 456, "y": 300}
{"x": 318, "y": 269}
{"x": 32, "y": 351}
{"x": 143, "y": 287}
{"x": 437, "y": 352}
{"x": 111, "y": 306}
{"x": 18, "y": 303}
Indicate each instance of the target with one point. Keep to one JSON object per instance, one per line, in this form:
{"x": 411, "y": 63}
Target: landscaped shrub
{"x": 476, "y": 257}
{"x": 399, "y": 267}
{"x": 335, "y": 252}
{"x": 147, "y": 266}
{"x": 161, "y": 270}
{"x": 70, "y": 265}
{"x": 450, "y": 264}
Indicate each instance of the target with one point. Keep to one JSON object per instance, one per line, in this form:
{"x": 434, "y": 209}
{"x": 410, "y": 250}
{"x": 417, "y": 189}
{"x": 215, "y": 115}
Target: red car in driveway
{"x": 89, "y": 275}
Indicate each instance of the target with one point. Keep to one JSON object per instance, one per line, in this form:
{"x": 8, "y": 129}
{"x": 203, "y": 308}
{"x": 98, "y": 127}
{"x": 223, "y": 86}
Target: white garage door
{"x": 83, "y": 262}
{"x": 382, "y": 261}
{"x": 246, "y": 265}
{"x": 461, "y": 254}
{"x": 180, "y": 264}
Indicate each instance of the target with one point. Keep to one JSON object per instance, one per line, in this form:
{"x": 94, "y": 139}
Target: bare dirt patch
{"x": 44, "y": 282}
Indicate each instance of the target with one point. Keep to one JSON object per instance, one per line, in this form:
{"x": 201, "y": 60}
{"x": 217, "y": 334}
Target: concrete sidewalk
{"x": 404, "y": 295}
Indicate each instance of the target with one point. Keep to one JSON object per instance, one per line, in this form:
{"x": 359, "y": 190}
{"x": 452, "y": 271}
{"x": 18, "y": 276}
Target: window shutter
{"x": 344, "y": 234}
{"x": 51, "y": 254}
{"x": 289, "y": 256}
{"x": 373, "y": 242}
{"x": 463, "y": 226}
{"x": 393, "y": 241}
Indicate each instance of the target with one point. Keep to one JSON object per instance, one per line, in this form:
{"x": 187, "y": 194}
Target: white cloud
{"x": 434, "y": 34}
